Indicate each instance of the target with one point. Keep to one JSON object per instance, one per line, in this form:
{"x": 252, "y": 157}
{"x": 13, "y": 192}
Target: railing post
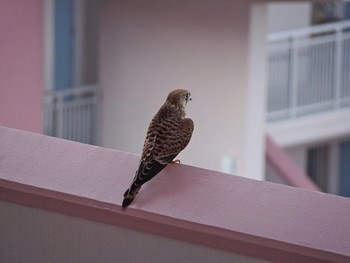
{"x": 95, "y": 113}
{"x": 48, "y": 115}
{"x": 293, "y": 85}
{"x": 60, "y": 125}
{"x": 338, "y": 66}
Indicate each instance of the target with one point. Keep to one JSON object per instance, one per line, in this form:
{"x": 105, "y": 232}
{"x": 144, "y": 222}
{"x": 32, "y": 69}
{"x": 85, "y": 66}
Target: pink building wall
{"x": 179, "y": 209}
{"x": 21, "y": 58}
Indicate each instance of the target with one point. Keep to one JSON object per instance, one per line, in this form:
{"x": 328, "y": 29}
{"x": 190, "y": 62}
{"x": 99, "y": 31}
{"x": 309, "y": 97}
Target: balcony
{"x": 308, "y": 71}
{"x": 72, "y": 113}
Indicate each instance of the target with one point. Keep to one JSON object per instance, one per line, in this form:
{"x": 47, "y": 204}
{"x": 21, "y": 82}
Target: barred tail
{"x": 129, "y": 195}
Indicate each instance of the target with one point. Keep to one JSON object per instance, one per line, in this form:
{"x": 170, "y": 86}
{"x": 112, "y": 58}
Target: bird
{"x": 168, "y": 134}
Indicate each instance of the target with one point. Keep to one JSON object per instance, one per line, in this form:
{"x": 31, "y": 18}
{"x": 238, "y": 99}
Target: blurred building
{"x": 101, "y": 69}
{"x": 309, "y": 89}
{"x": 125, "y": 57}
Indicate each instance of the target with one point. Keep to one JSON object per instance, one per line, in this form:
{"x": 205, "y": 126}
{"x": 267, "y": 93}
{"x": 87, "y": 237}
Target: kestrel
{"x": 168, "y": 134}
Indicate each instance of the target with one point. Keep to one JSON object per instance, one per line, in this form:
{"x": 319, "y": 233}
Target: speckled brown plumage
{"x": 168, "y": 134}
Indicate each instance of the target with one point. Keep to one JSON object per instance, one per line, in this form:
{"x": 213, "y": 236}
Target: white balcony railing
{"x": 308, "y": 70}
{"x": 71, "y": 113}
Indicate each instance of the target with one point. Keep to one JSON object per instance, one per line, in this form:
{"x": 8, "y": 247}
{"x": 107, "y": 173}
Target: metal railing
{"x": 308, "y": 70}
{"x": 71, "y": 113}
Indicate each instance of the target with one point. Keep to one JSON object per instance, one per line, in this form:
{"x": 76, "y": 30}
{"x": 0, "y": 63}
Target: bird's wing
{"x": 164, "y": 141}
{"x": 174, "y": 141}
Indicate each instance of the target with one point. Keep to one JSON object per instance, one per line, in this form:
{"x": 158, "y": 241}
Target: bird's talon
{"x": 176, "y": 161}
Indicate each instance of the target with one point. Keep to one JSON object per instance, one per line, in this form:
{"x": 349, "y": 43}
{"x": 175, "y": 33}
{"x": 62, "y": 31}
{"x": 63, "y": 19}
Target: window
{"x": 327, "y": 12}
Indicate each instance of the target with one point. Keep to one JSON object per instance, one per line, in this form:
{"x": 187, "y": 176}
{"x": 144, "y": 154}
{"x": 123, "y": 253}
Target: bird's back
{"x": 168, "y": 133}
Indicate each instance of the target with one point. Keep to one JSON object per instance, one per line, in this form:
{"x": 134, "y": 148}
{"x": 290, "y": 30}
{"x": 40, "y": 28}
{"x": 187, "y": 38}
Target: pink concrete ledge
{"x": 258, "y": 219}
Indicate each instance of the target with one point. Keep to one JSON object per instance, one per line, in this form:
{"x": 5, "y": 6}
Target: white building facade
{"x": 125, "y": 57}
{"x": 308, "y": 99}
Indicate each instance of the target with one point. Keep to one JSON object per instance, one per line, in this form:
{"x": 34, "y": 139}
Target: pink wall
{"x": 21, "y": 73}
{"x": 184, "y": 203}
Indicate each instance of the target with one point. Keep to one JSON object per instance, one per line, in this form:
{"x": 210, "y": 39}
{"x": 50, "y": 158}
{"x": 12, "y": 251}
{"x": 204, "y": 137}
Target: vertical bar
{"x": 293, "y": 92}
{"x": 95, "y": 113}
{"x": 332, "y": 72}
{"x": 346, "y": 76}
{"x": 76, "y": 121}
{"x": 326, "y": 66}
{"x": 322, "y": 68}
{"x": 60, "y": 116}
{"x": 345, "y": 84}
{"x": 317, "y": 61}
{"x": 338, "y": 66}
{"x": 65, "y": 123}
{"x": 269, "y": 82}
{"x": 70, "y": 121}
{"x": 73, "y": 120}
{"x": 82, "y": 121}
{"x": 283, "y": 77}
{"x": 87, "y": 118}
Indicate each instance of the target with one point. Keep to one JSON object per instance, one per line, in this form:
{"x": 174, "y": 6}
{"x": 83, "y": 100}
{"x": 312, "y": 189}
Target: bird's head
{"x": 179, "y": 97}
